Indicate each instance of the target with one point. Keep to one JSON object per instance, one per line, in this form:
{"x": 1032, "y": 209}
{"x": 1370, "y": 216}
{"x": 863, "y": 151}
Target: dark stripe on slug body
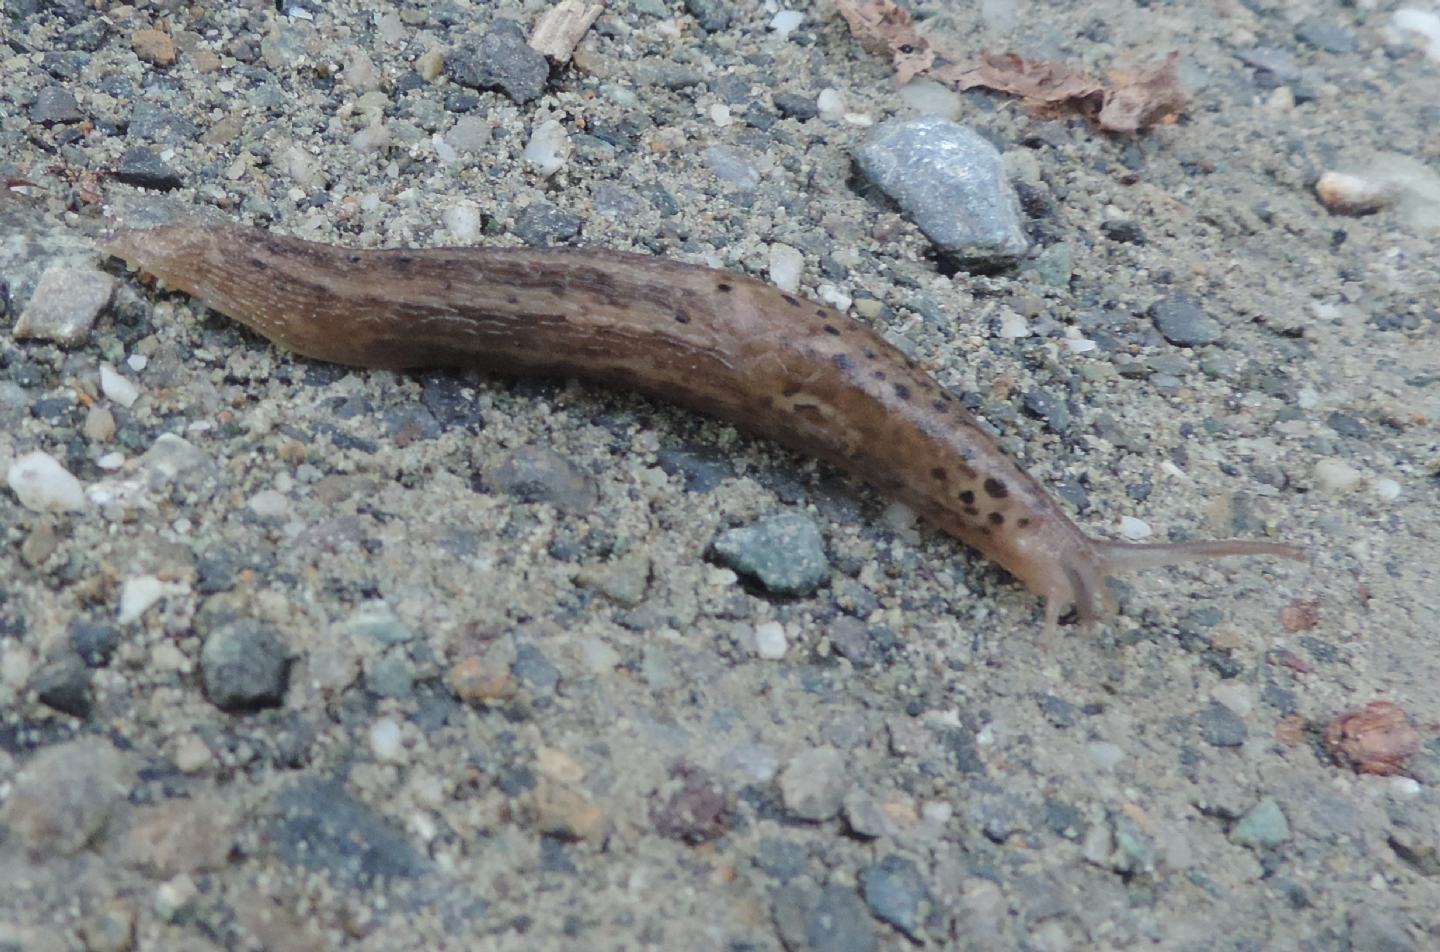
{"x": 995, "y": 488}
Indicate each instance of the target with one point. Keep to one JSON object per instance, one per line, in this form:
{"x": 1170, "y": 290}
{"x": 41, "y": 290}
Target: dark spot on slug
{"x": 968, "y": 497}
{"x": 1022, "y": 522}
{"x": 939, "y": 407}
{"x": 878, "y": 374}
{"x": 831, "y": 329}
{"x": 682, "y": 317}
{"x": 997, "y": 518}
{"x": 870, "y": 354}
{"x": 820, "y": 312}
{"x": 843, "y": 361}
{"x": 791, "y": 300}
{"x": 985, "y": 530}
{"x": 259, "y": 265}
{"x": 971, "y": 511}
{"x": 995, "y": 488}
{"x": 902, "y": 391}
{"x": 723, "y": 288}
{"x": 939, "y": 473}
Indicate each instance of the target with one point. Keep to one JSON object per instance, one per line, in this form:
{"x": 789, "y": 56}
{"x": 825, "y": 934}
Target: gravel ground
{"x": 295, "y": 657}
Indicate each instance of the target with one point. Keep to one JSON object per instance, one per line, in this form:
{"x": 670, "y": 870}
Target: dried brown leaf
{"x": 1132, "y": 104}
{"x": 1376, "y": 740}
{"x": 880, "y": 25}
{"x": 1042, "y": 80}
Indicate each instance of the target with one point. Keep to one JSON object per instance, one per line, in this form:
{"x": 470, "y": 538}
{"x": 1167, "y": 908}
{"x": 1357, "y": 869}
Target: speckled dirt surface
{"x": 512, "y": 700}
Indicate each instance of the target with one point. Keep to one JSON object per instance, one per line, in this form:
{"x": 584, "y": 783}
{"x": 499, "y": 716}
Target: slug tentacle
{"x": 768, "y": 361}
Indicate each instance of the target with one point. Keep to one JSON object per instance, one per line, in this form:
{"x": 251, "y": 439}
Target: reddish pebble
{"x": 1377, "y": 740}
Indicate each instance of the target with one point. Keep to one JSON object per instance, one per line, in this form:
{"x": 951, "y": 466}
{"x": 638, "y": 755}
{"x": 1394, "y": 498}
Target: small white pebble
{"x": 443, "y": 150}
{"x": 172, "y": 897}
{"x": 118, "y": 387}
{"x": 1234, "y": 696}
{"x": 1013, "y": 326}
{"x": 192, "y": 754}
{"x": 1105, "y": 755}
{"x": 1420, "y": 27}
{"x": 1385, "y": 489}
{"x": 720, "y": 115}
{"x": 831, "y": 103}
{"x": 462, "y": 220}
{"x": 43, "y": 485}
{"x": 1134, "y": 529}
{"x": 1079, "y": 345}
{"x": 834, "y": 297}
{"x": 385, "y": 742}
{"x": 137, "y": 595}
{"x": 111, "y": 461}
{"x": 930, "y": 98}
{"x": 548, "y": 148}
{"x": 137, "y": 362}
{"x": 1405, "y": 788}
{"x": 786, "y": 264}
{"x": 770, "y": 642}
{"x": 786, "y": 22}
{"x": 269, "y": 503}
{"x": 1337, "y": 477}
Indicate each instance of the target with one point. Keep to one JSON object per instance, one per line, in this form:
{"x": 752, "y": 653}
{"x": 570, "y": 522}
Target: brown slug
{"x": 770, "y": 362}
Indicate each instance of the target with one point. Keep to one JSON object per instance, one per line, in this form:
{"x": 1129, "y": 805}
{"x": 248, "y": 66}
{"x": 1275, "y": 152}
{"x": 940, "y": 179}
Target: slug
{"x": 772, "y": 363}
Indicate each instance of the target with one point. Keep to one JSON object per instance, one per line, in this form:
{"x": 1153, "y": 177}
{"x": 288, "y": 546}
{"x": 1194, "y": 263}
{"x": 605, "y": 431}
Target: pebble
{"x": 192, "y": 754}
{"x": 1104, "y": 755}
{"x": 1221, "y": 727}
{"x": 379, "y": 623}
{"x": 470, "y": 134}
{"x": 1135, "y": 529}
{"x": 390, "y": 675}
{"x": 895, "y": 890}
{"x": 55, "y": 105}
{"x": 463, "y": 221}
{"x": 1329, "y": 37}
{"x": 831, "y": 104}
{"x": 169, "y": 458}
{"x": 623, "y": 581}
{"x": 1012, "y": 326}
{"x": 832, "y": 919}
{"x": 929, "y": 98}
{"x": 175, "y": 897}
{"x": 99, "y": 424}
{"x": 540, "y": 224}
{"x": 179, "y": 836}
{"x": 731, "y": 165}
{"x": 154, "y": 46}
{"x": 951, "y": 182}
{"x": 1180, "y": 320}
{"x": 794, "y": 106}
{"x": 117, "y": 387}
{"x": 43, "y": 485}
{"x": 712, "y": 15}
{"x": 64, "y": 686}
{"x": 245, "y": 666}
{"x": 784, "y": 553}
{"x": 786, "y": 265}
{"x": 567, "y": 812}
{"x": 62, "y": 799}
{"x": 770, "y": 642}
{"x": 94, "y": 641}
{"x": 1420, "y": 27}
{"x": 537, "y": 474}
{"x": 1262, "y": 827}
{"x": 143, "y": 168}
{"x": 110, "y": 929}
{"x": 500, "y": 59}
{"x": 786, "y": 22}
{"x": 814, "y": 782}
{"x": 549, "y": 148}
{"x": 1334, "y": 476}
{"x": 319, "y": 826}
{"x": 481, "y": 681}
{"x": 66, "y": 302}
{"x": 386, "y": 742}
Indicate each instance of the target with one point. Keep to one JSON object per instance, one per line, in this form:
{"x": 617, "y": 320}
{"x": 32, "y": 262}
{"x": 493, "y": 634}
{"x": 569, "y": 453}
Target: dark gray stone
{"x": 712, "y": 15}
{"x": 1043, "y": 405}
{"x": 951, "y": 182}
{"x": 784, "y": 553}
{"x": 850, "y": 637}
{"x": 318, "y": 826}
{"x": 64, "y": 685}
{"x": 1058, "y": 711}
{"x": 500, "y": 59}
{"x": 1330, "y": 37}
{"x": 540, "y": 224}
{"x": 94, "y": 641}
{"x": 894, "y": 890}
{"x": 55, "y": 105}
{"x": 155, "y": 123}
{"x": 539, "y": 474}
{"x": 141, "y": 167}
{"x": 1221, "y": 727}
{"x": 534, "y": 669}
{"x": 245, "y": 666}
{"x": 833, "y": 919}
{"x": 1180, "y": 320}
{"x": 795, "y": 106}
{"x": 702, "y": 469}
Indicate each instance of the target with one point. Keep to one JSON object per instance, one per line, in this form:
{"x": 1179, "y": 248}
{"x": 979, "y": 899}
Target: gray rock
{"x": 851, "y": 639}
{"x": 540, "y": 223}
{"x": 155, "y": 123}
{"x": 55, "y": 105}
{"x": 732, "y": 165}
{"x": 377, "y": 622}
{"x": 785, "y": 553}
{"x": 894, "y": 890}
{"x": 66, "y": 302}
{"x": 245, "y": 666}
{"x": 534, "y": 669}
{"x": 64, "y": 685}
{"x": 390, "y": 675}
{"x": 1378, "y": 930}
{"x": 318, "y": 826}
{"x": 1330, "y": 37}
{"x": 795, "y": 106}
{"x": 813, "y": 784}
{"x": 62, "y": 799}
{"x": 1180, "y": 320}
{"x": 712, "y": 15}
{"x": 94, "y": 641}
{"x": 539, "y": 474}
{"x": 1221, "y": 727}
{"x": 500, "y": 59}
{"x": 833, "y": 919}
{"x": 144, "y": 169}
{"x": 951, "y": 182}
{"x": 702, "y": 469}
{"x": 1263, "y": 826}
